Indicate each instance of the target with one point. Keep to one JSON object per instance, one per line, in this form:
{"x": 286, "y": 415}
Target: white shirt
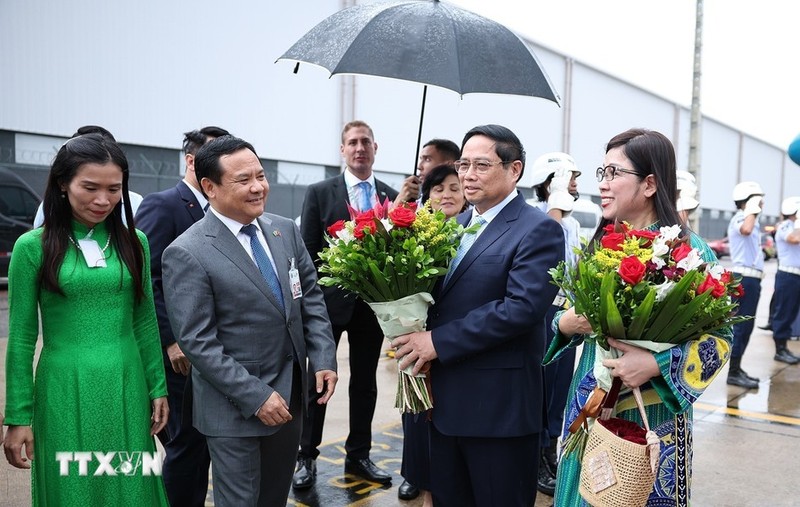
{"x": 354, "y": 191}
{"x": 236, "y": 229}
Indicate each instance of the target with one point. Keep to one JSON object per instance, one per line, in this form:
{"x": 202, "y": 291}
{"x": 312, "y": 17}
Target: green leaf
{"x": 641, "y": 315}
{"x": 615, "y": 327}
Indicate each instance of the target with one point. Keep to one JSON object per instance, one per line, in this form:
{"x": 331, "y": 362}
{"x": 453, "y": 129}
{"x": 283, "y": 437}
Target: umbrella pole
{"x": 419, "y": 134}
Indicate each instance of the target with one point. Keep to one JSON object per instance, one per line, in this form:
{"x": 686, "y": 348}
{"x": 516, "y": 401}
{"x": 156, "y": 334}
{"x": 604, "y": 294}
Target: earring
{"x": 63, "y": 195}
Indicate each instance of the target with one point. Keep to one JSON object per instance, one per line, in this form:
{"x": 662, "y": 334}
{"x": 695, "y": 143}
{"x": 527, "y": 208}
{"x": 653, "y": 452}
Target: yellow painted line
{"x": 794, "y": 421}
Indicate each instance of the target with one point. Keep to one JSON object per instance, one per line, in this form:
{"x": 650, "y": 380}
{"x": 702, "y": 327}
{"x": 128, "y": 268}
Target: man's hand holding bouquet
{"x": 391, "y": 258}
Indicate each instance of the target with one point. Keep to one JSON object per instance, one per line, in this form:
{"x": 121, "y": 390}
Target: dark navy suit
{"x": 163, "y": 216}
{"x": 325, "y": 203}
{"x": 489, "y": 333}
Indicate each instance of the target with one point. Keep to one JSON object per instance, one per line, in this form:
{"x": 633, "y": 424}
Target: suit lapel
{"x": 493, "y": 232}
{"x": 227, "y": 244}
{"x": 190, "y": 201}
{"x": 341, "y": 198}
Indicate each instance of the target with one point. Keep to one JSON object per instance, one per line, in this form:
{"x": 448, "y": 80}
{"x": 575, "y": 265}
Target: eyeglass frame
{"x": 601, "y": 172}
{"x": 474, "y": 163}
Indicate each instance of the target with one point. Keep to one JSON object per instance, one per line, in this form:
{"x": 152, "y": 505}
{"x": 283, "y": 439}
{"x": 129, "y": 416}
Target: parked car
{"x": 722, "y": 248}
{"x": 18, "y": 203}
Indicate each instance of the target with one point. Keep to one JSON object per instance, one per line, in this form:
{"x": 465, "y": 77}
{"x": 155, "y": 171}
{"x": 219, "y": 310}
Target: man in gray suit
{"x": 243, "y": 300}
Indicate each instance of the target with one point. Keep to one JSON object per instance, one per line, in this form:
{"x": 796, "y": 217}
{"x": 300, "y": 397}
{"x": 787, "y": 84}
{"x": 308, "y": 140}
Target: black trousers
{"x": 366, "y": 339}
{"x": 185, "y": 470}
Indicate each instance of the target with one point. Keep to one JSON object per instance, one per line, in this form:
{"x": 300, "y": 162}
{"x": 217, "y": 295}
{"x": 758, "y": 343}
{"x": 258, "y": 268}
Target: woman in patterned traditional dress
{"x": 638, "y": 186}
{"x": 99, "y": 394}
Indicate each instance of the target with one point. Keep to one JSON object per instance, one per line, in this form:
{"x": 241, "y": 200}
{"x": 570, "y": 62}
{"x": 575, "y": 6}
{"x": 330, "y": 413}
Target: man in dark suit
{"x": 163, "y": 216}
{"x": 486, "y": 334}
{"x": 243, "y": 300}
{"x": 325, "y": 203}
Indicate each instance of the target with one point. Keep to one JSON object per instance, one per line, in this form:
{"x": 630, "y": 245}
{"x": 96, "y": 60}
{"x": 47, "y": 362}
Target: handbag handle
{"x": 610, "y": 402}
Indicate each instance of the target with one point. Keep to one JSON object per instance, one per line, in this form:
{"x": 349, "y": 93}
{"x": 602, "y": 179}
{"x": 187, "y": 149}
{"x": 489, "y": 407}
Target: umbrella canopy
{"x": 425, "y": 41}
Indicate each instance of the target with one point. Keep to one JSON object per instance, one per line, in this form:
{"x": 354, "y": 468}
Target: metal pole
{"x": 419, "y": 134}
{"x": 694, "y": 125}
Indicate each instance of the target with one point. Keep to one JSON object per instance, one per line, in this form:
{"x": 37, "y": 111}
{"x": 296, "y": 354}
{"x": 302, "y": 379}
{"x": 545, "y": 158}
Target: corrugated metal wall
{"x": 149, "y": 71}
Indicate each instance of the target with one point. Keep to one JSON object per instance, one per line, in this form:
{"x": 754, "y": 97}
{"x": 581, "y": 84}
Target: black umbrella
{"x": 425, "y": 41}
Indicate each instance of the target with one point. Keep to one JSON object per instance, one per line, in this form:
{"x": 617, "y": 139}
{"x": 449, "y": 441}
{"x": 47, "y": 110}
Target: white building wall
{"x": 151, "y": 70}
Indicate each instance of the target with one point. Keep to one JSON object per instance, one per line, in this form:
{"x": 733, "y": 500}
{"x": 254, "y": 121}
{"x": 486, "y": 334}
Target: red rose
{"x": 365, "y": 216}
{"x": 402, "y": 216}
{"x": 681, "y": 252}
{"x": 612, "y": 240}
{"x": 739, "y": 292}
{"x": 648, "y": 236}
{"x": 632, "y": 270}
{"x": 336, "y": 227}
{"x": 726, "y": 277}
{"x": 710, "y": 284}
{"x": 364, "y": 227}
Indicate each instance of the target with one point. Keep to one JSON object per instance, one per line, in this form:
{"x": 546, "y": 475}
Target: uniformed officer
{"x": 787, "y": 280}
{"x": 744, "y": 236}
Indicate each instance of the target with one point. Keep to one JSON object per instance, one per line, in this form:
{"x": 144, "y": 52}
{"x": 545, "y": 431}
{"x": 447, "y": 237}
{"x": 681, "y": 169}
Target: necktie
{"x": 264, "y": 265}
{"x": 466, "y": 242}
{"x": 366, "y": 194}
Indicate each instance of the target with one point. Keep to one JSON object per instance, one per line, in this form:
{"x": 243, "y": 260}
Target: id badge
{"x": 91, "y": 253}
{"x": 294, "y": 281}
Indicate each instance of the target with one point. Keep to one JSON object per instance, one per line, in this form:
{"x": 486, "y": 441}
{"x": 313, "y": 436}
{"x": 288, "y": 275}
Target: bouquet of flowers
{"x": 650, "y": 288}
{"x": 391, "y": 258}
{"x": 647, "y": 288}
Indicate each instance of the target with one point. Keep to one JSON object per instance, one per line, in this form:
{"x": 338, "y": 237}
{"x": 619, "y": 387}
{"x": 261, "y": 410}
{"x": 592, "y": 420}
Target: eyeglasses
{"x": 481, "y": 166}
{"x": 610, "y": 172}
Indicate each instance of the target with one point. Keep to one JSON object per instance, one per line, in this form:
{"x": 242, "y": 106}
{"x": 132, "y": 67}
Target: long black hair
{"x": 650, "y": 152}
{"x": 80, "y": 150}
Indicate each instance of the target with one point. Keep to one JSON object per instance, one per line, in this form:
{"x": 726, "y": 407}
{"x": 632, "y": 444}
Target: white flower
{"x": 715, "y": 271}
{"x": 691, "y": 261}
{"x": 664, "y": 289}
{"x": 387, "y": 224}
{"x": 658, "y": 261}
{"x": 660, "y": 248}
{"x": 670, "y": 233}
{"x": 346, "y": 235}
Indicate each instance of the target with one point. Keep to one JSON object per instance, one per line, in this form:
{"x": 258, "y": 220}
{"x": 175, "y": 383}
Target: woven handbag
{"x": 616, "y": 472}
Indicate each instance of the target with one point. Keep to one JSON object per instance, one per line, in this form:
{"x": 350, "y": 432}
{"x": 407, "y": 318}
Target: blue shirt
{"x": 745, "y": 250}
{"x": 788, "y": 254}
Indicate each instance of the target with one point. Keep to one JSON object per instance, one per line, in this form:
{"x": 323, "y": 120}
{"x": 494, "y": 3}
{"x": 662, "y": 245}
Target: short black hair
{"x": 206, "y": 161}
{"x": 445, "y": 147}
{"x": 193, "y": 140}
{"x": 507, "y": 145}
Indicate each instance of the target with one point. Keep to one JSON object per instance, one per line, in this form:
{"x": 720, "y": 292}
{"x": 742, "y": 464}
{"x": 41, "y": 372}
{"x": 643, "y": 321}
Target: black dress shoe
{"x": 305, "y": 475}
{"x": 407, "y": 491}
{"x": 783, "y": 355}
{"x": 740, "y": 378}
{"x": 754, "y": 379}
{"x": 365, "y": 468}
{"x": 546, "y": 484}
{"x": 768, "y": 327}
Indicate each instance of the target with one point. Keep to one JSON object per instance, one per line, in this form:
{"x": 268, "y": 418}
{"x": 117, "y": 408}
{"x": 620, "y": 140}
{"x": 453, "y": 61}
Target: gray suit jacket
{"x": 241, "y": 345}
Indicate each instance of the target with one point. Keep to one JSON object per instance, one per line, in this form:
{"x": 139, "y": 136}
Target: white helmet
{"x": 686, "y": 179}
{"x": 745, "y": 190}
{"x": 549, "y": 163}
{"x": 687, "y": 191}
{"x": 790, "y": 206}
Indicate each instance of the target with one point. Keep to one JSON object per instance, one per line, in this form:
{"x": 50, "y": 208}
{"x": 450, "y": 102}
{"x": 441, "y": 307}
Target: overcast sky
{"x": 750, "y": 59}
